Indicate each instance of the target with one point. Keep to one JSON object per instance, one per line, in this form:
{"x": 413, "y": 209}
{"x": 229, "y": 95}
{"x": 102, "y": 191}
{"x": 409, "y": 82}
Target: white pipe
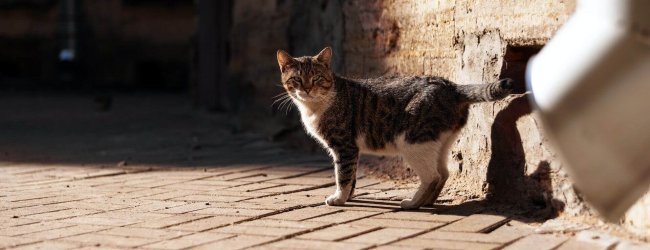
{"x": 591, "y": 85}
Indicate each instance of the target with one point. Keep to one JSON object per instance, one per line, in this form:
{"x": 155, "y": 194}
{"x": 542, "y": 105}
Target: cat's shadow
{"x": 468, "y": 208}
{"x": 507, "y": 177}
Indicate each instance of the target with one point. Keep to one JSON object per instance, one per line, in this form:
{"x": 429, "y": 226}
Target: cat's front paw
{"x": 335, "y": 200}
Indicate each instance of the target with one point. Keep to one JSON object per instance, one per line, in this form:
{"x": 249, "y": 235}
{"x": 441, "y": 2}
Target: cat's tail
{"x": 485, "y": 92}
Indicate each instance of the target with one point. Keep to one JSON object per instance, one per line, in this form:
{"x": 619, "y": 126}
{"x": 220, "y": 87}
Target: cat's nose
{"x": 307, "y": 90}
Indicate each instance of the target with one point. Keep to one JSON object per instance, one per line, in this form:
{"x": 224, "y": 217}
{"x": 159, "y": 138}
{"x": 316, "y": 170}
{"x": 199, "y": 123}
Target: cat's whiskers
{"x": 286, "y": 105}
{"x": 279, "y": 100}
{"x": 279, "y": 97}
{"x": 288, "y": 108}
{"x": 283, "y": 101}
{"x": 284, "y": 93}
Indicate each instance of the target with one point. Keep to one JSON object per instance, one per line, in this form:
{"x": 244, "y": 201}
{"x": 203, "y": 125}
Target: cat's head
{"x": 307, "y": 79}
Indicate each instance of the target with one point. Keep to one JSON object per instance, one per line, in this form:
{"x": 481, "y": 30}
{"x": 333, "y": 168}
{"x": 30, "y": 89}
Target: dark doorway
{"x": 514, "y": 64}
{"x": 508, "y": 178}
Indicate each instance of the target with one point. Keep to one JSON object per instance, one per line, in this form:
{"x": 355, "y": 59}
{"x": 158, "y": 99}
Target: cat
{"x": 416, "y": 117}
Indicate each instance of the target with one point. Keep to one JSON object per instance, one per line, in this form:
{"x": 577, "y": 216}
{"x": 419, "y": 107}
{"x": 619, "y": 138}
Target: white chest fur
{"x": 310, "y": 121}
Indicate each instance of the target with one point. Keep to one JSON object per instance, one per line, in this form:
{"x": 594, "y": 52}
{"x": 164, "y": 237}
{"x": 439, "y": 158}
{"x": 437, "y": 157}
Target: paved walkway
{"x": 171, "y": 179}
{"x": 231, "y": 207}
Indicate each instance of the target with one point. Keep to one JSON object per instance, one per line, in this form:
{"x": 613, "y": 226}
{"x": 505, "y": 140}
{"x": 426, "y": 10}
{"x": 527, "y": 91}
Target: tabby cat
{"x": 417, "y": 118}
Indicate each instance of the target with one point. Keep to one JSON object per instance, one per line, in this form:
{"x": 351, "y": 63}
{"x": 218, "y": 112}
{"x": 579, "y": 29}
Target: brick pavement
{"x": 153, "y": 174}
{"x": 66, "y": 207}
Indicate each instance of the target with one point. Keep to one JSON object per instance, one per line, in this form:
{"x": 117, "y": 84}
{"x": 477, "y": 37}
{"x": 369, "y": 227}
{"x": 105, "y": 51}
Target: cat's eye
{"x": 295, "y": 80}
{"x": 317, "y": 78}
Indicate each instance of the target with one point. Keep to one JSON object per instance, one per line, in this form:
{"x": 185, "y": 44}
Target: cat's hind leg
{"x": 447, "y": 139}
{"x": 444, "y": 175}
{"x": 423, "y": 159}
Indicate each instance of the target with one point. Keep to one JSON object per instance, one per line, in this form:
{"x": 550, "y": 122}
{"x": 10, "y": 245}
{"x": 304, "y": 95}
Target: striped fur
{"x": 417, "y": 118}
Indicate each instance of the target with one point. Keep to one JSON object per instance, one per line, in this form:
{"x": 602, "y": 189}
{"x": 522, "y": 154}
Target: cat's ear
{"x": 325, "y": 56}
{"x": 284, "y": 59}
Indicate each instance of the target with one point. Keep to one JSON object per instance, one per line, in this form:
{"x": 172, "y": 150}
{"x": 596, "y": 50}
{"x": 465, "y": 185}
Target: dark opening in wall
{"x": 514, "y": 64}
{"x": 509, "y": 176}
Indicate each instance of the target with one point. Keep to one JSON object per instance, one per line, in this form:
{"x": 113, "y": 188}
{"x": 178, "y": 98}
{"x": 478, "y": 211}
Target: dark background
{"x": 119, "y": 44}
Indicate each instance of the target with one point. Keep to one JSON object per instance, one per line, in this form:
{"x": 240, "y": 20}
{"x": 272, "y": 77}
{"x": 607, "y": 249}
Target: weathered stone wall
{"x": 427, "y": 37}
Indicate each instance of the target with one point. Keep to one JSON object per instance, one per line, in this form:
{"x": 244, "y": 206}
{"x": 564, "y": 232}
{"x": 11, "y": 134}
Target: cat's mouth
{"x": 302, "y": 96}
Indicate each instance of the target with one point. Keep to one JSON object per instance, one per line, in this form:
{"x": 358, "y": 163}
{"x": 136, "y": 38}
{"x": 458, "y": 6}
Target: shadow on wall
{"x": 507, "y": 176}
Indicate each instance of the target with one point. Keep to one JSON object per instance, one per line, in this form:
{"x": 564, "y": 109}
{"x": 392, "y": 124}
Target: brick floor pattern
{"x": 232, "y": 207}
